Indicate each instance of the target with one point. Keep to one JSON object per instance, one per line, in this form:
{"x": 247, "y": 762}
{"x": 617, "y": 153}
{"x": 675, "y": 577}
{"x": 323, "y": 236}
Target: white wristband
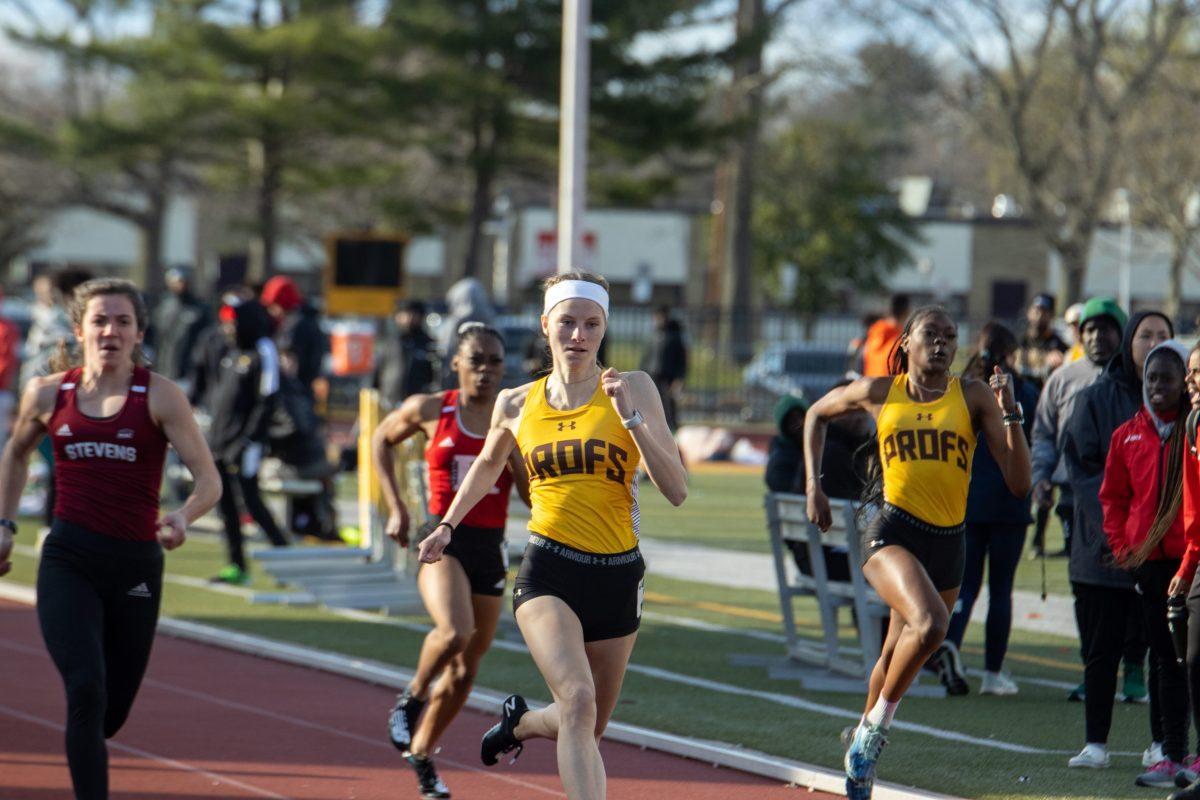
{"x": 633, "y": 421}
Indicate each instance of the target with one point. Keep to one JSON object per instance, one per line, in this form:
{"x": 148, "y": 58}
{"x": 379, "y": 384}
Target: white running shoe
{"x": 999, "y": 684}
{"x": 1152, "y": 754}
{"x": 1092, "y": 756}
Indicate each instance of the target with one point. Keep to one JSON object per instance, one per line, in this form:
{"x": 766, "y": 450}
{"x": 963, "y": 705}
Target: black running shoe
{"x": 500, "y": 737}
{"x": 949, "y": 669}
{"x": 431, "y": 785}
{"x": 402, "y": 720}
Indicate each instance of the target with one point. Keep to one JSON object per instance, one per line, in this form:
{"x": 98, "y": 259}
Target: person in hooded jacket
{"x": 466, "y": 301}
{"x": 241, "y": 401}
{"x": 1142, "y": 495}
{"x": 1103, "y": 591}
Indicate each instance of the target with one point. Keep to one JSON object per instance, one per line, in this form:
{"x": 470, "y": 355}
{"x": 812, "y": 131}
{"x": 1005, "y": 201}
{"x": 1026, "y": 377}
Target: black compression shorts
{"x": 941, "y": 551}
{"x": 481, "y": 552}
{"x": 603, "y": 589}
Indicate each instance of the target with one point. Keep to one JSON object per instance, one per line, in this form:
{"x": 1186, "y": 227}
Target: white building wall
{"x": 941, "y": 265}
{"x": 628, "y": 244}
{"x": 84, "y": 236}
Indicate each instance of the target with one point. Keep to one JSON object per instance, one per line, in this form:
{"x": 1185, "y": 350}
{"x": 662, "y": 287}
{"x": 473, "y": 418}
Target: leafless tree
{"x": 1057, "y": 86}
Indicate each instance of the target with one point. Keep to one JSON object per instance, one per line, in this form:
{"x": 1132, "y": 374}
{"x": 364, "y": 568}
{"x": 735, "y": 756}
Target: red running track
{"x": 214, "y": 723}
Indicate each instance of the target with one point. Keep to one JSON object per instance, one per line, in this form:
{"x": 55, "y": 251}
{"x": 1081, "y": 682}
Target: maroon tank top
{"x": 108, "y": 471}
{"x": 449, "y": 454}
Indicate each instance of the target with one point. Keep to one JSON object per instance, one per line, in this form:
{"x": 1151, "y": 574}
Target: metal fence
{"x": 739, "y": 363}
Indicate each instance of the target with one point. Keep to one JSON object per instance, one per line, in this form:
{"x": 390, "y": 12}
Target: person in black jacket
{"x": 844, "y": 468}
{"x": 1104, "y": 593}
{"x": 301, "y": 343}
{"x": 666, "y": 360}
{"x": 405, "y": 363}
{"x": 241, "y": 401}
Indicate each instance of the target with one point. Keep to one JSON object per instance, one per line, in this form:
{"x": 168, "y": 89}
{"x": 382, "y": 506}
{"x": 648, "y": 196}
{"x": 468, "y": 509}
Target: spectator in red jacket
{"x": 1142, "y": 496}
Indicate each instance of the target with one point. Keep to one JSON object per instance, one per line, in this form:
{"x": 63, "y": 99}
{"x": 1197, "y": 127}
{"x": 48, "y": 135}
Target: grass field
{"x": 967, "y": 749}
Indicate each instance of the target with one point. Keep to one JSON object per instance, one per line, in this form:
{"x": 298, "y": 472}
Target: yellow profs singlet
{"x": 926, "y": 451}
{"x": 581, "y": 466}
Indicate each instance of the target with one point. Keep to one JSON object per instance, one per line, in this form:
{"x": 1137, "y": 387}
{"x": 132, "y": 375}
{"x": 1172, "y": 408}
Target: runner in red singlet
{"x": 100, "y": 577}
{"x": 462, "y": 593}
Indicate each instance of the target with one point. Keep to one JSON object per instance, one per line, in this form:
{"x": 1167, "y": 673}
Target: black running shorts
{"x": 603, "y": 589}
{"x": 941, "y": 551}
{"x": 481, "y": 552}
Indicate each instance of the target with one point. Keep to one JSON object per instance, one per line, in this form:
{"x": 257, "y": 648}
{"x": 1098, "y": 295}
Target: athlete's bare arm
{"x": 866, "y": 394}
{"x": 635, "y": 391}
{"x": 500, "y": 442}
{"x": 170, "y": 409}
{"x": 37, "y": 404}
{"x": 988, "y": 403}
{"x": 415, "y": 414}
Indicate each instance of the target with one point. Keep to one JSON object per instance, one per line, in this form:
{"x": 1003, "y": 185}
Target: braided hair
{"x": 897, "y": 356}
{"x": 1170, "y": 493}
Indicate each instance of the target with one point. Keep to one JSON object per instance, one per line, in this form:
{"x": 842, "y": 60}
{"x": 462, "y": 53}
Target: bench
{"x": 787, "y": 519}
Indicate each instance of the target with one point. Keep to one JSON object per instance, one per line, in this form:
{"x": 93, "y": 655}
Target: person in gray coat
{"x": 1101, "y": 341}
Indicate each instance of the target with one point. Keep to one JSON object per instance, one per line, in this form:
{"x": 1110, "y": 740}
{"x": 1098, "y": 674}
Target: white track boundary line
{"x": 146, "y": 754}
{"x": 716, "y": 753}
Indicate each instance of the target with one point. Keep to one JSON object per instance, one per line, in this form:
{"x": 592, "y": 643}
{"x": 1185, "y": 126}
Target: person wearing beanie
{"x": 1104, "y": 593}
{"x": 298, "y": 336}
{"x": 1142, "y": 495}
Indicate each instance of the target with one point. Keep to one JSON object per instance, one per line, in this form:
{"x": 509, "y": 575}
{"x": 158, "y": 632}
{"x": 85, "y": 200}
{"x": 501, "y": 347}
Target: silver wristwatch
{"x": 633, "y": 421}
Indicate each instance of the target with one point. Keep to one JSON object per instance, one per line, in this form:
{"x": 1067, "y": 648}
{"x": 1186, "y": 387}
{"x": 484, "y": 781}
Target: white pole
{"x": 572, "y": 133}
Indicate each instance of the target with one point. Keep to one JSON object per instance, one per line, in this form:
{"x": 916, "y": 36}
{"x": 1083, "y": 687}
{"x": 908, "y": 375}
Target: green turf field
{"x": 725, "y": 511}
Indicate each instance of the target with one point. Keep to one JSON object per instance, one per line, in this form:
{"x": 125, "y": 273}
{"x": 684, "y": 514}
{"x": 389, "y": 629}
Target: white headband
{"x": 569, "y": 290}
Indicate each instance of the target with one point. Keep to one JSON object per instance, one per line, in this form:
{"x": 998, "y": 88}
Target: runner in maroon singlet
{"x": 100, "y": 577}
{"x": 462, "y": 593}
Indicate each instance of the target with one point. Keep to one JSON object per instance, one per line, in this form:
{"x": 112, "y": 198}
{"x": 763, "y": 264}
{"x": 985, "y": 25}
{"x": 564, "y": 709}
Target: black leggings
{"x": 999, "y": 544}
{"x": 234, "y": 483}
{"x": 97, "y": 602}
{"x": 1100, "y": 612}
{"x": 1171, "y": 706}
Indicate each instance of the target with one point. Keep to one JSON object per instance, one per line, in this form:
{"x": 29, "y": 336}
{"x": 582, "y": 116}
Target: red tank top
{"x": 108, "y": 471}
{"x": 449, "y": 455}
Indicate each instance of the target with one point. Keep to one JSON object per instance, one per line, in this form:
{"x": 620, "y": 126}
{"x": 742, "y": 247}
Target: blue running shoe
{"x": 859, "y": 791}
{"x": 865, "y": 747}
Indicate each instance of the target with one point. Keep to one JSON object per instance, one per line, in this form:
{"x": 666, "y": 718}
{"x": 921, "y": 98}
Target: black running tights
{"x": 97, "y": 602}
{"x": 234, "y": 483}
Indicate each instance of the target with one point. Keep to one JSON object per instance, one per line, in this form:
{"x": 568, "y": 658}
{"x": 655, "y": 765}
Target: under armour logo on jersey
{"x": 566, "y": 425}
{"x": 64, "y": 430}
{"x": 922, "y": 415}
{"x": 141, "y": 590}
{"x": 447, "y": 442}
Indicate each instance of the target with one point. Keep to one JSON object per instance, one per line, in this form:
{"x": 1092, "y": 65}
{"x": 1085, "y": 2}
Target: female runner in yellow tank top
{"x": 582, "y": 432}
{"x": 913, "y": 548}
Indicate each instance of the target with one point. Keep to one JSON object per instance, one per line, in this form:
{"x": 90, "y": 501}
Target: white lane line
{"x": 316, "y": 726}
{"x": 140, "y": 753}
